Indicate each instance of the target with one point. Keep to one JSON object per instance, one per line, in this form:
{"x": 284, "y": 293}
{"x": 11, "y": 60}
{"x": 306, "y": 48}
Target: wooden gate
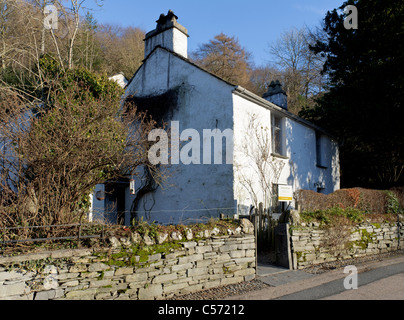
{"x": 272, "y": 237}
{"x": 265, "y": 226}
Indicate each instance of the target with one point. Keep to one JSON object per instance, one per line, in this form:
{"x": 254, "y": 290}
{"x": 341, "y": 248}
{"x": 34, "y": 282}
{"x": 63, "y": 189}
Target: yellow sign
{"x": 285, "y": 193}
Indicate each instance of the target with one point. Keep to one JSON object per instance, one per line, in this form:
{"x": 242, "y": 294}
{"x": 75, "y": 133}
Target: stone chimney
{"x": 276, "y": 95}
{"x": 168, "y": 34}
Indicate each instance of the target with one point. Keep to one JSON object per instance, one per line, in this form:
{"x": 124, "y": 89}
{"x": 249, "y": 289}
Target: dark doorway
{"x": 115, "y": 195}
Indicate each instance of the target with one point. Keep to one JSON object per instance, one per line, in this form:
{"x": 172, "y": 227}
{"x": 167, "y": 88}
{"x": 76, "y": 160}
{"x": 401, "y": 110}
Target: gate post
{"x": 282, "y": 243}
{"x": 256, "y": 239}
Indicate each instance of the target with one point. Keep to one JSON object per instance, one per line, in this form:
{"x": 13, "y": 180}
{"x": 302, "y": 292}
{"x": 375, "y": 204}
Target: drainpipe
{"x": 398, "y": 230}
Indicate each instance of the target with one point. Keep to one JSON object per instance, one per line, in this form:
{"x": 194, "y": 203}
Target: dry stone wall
{"x": 312, "y": 244}
{"x": 120, "y": 273}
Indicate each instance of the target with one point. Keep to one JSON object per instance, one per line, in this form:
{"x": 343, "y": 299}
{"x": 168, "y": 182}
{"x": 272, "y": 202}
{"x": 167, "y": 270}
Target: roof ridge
{"x": 182, "y": 58}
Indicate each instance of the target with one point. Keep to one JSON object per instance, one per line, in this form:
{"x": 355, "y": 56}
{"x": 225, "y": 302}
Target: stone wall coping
{"x": 55, "y": 254}
{"x": 193, "y": 266}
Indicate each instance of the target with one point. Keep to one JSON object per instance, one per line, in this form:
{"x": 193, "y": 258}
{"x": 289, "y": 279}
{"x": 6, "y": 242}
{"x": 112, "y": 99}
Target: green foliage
{"x": 364, "y": 105}
{"x": 332, "y": 215}
{"x": 366, "y": 238}
{"x": 145, "y": 228}
{"x": 11, "y": 78}
{"x": 376, "y": 225}
{"x": 301, "y": 256}
{"x": 318, "y": 215}
{"x": 76, "y": 140}
{"x": 90, "y": 85}
{"x": 393, "y": 205}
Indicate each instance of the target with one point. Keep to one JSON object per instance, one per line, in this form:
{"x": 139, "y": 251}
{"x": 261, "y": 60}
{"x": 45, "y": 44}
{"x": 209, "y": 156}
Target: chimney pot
{"x": 168, "y": 34}
{"x": 276, "y": 95}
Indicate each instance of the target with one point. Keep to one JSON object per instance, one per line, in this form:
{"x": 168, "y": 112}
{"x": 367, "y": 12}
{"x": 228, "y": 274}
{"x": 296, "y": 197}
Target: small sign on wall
{"x": 285, "y": 193}
{"x": 132, "y": 186}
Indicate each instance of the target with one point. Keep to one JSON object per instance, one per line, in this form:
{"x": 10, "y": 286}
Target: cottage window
{"x": 320, "y": 157}
{"x": 277, "y": 135}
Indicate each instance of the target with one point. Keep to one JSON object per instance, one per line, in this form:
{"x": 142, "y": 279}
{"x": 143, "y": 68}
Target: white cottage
{"x": 263, "y": 146}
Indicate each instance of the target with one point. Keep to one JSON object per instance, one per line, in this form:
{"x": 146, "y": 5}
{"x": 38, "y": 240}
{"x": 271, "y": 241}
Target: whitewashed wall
{"x": 248, "y": 183}
{"x": 97, "y": 207}
{"x": 300, "y": 167}
{"x": 119, "y": 79}
{"x": 205, "y": 102}
{"x": 172, "y": 39}
{"x": 303, "y": 171}
{"x": 200, "y": 191}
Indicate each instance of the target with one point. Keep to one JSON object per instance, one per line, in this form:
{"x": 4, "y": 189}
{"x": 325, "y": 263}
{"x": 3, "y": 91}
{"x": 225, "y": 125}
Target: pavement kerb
{"x": 292, "y": 287}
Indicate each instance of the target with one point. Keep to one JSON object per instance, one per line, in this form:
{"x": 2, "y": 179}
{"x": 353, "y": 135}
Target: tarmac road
{"x": 382, "y": 280}
{"x": 371, "y": 285}
{"x": 391, "y": 288}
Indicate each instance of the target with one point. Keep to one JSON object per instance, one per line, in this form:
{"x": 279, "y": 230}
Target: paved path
{"x": 277, "y": 276}
{"x": 376, "y": 280}
{"x": 391, "y": 288}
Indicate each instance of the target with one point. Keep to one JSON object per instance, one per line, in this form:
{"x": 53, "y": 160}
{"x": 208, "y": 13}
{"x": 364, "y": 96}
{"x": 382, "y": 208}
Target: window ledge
{"x": 321, "y": 167}
{"x": 276, "y": 155}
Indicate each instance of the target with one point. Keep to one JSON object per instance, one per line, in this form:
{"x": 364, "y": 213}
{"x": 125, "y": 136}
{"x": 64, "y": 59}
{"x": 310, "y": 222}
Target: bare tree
{"x": 6, "y": 10}
{"x": 260, "y": 169}
{"x": 76, "y": 6}
{"x": 52, "y": 158}
{"x": 261, "y": 77}
{"x": 122, "y": 49}
{"x": 76, "y": 42}
{"x": 88, "y": 48}
{"x": 299, "y": 66}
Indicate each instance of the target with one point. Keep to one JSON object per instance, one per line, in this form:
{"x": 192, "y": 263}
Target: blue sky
{"x": 255, "y": 23}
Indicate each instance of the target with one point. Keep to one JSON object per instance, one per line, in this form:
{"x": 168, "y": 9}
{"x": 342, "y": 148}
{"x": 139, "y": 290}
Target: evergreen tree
{"x": 363, "y": 107}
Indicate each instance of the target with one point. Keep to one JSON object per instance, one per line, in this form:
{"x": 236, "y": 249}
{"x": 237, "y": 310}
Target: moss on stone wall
{"x": 138, "y": 255}
{"x": 366, "y": 238}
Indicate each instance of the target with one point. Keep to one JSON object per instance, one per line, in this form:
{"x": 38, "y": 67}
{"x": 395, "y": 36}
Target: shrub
{"x": 399, "y": 194}
{"x": 365, "y": 200}
{"x": 333, "y": 215}
{"x": 393, "y": 205}
{"x": 53, "y": 154}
